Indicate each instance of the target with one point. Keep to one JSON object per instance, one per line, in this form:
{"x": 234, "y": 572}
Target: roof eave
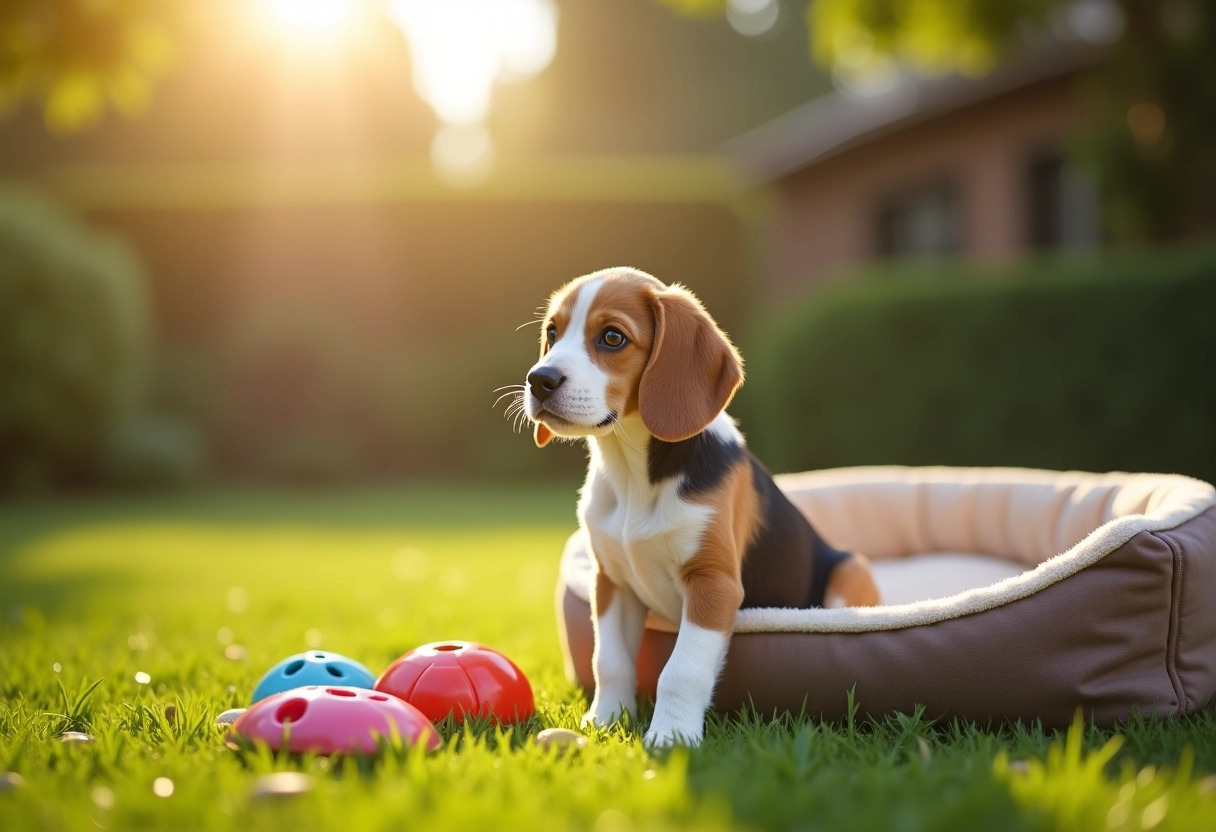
{"x": 836, "y": 123}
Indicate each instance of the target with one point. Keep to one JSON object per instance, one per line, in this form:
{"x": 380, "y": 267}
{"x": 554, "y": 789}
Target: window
{"x": 920, "y": 222}
{"x": 1062, "y": 204}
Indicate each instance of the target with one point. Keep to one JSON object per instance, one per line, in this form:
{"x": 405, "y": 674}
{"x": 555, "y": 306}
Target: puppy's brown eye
{"x": 613, "y": 339}
{"x": 551, "y": 334}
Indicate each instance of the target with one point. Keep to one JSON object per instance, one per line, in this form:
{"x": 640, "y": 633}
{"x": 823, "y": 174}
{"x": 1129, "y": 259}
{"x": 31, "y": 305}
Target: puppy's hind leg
{"x": 851, "y": 584}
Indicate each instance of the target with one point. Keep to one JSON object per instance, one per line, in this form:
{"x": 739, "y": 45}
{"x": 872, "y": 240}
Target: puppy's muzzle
{"x": 544, "y": 382}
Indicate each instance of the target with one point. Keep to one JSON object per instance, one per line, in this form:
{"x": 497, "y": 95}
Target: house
{"x": 951, "y": 166}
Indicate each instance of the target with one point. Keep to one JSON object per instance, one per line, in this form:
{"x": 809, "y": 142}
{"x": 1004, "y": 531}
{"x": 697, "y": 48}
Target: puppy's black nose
{"x": 544, "y": 382}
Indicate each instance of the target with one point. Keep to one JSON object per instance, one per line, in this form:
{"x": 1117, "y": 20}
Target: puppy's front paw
{"x": 606, "y": 710}
{"x": 667, "y": 731}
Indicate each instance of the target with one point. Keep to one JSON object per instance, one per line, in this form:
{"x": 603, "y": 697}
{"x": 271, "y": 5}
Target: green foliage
{"x": 75, "y": 341}
{"x": 1152, "y": 132}
{"x": 1071, "y": 789}
{"x": 1097, "y": 364}
{"x": 77, "y": 713}
{"x": 88, "y": 590}
{"x": 82, "y": 56}
{"x": 936, "y": 35}
{"x": 696, "y": 8}
{"x": 151, "y": 451}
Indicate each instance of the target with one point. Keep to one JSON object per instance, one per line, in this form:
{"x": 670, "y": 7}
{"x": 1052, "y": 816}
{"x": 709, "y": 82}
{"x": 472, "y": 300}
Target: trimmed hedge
{"x": 1093, "y": 363}
{"x": 76, "y": 355}
{"x": 75, "y": 341}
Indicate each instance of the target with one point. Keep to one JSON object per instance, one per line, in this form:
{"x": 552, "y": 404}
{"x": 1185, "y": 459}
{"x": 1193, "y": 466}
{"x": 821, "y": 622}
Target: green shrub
{"x": 1096, "y": 363}
{"x": 154, "y": 452}
{"x": 75, "y": 342}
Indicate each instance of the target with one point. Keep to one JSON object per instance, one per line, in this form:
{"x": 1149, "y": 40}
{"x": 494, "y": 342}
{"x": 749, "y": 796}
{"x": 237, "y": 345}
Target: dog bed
{"x": 1007, "y": 594}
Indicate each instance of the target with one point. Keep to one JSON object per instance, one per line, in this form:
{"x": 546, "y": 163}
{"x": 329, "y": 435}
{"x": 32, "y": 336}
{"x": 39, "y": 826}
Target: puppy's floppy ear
{"x": 693, "y": 370}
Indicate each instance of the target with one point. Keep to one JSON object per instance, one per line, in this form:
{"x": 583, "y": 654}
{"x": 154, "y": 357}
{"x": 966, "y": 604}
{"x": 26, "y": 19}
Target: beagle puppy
{"x": 681, "y": 518}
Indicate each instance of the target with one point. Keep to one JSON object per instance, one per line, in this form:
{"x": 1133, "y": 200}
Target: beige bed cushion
{"x": 1019, "y": 514}
{"x": 933, "y": 575}
{"x": 1044, "y": 525}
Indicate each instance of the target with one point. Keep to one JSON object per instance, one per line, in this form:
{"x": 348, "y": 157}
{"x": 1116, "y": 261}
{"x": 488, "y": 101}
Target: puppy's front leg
{"x": 686, "y": 685}
{"x": 619, "y": 618}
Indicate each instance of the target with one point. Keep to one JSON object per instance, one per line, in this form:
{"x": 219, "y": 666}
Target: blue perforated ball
{"x": 315, "y": 667}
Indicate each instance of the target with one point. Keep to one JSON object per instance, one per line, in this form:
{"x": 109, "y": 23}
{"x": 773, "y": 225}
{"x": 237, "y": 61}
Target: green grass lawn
{"x": 174, "y": 588}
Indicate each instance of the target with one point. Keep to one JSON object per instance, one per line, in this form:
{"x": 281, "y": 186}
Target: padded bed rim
{"x": 1185, "y": 499}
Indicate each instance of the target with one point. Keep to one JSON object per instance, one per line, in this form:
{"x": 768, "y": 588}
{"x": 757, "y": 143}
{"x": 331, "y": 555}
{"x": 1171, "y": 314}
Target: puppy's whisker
{"x": 530, "y": 323}
{"x": 618, "y": 428}
{"x": 508, "y": 387}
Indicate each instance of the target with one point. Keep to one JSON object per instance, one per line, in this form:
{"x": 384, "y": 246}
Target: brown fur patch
{"x": 604, "y": 591}
{"x": 693, "y": 370}
{"x": 852, "y": 583}
{"x": 712, "y": 577}
{"x": 624, "y": 301}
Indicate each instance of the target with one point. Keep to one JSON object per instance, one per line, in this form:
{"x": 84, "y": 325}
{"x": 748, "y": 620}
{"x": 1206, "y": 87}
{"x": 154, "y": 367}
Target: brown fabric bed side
{"x": 1193, "y": 629}
{"x": 1135, "y": 631}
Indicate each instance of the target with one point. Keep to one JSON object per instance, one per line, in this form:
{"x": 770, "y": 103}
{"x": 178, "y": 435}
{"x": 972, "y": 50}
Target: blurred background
{"x": 290, "y": 242}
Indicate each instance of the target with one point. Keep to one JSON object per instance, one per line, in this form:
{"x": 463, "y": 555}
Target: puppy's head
{"x": 618, "y": 342}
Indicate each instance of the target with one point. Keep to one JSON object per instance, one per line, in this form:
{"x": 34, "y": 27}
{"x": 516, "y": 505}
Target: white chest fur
{"x": 641, "y": 533}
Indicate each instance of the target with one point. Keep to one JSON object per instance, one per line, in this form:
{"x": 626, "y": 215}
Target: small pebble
{"x": 560, "y": 740}
{"x": 103, "y": 797}
{"x": 229, "y": 716}
{"x": 282, "y": 784}
{"x": 75, "y": 737}
{"x": 171, "y": 712}
{"x": 10, "y": 780}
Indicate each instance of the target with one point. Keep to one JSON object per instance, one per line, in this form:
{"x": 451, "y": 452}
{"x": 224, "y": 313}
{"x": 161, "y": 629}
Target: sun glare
{"x": 312, "y": 17}
{"x": 460, "y": 50}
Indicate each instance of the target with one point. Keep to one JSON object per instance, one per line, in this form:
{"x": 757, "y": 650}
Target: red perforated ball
{"x": 460, "y": 678}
